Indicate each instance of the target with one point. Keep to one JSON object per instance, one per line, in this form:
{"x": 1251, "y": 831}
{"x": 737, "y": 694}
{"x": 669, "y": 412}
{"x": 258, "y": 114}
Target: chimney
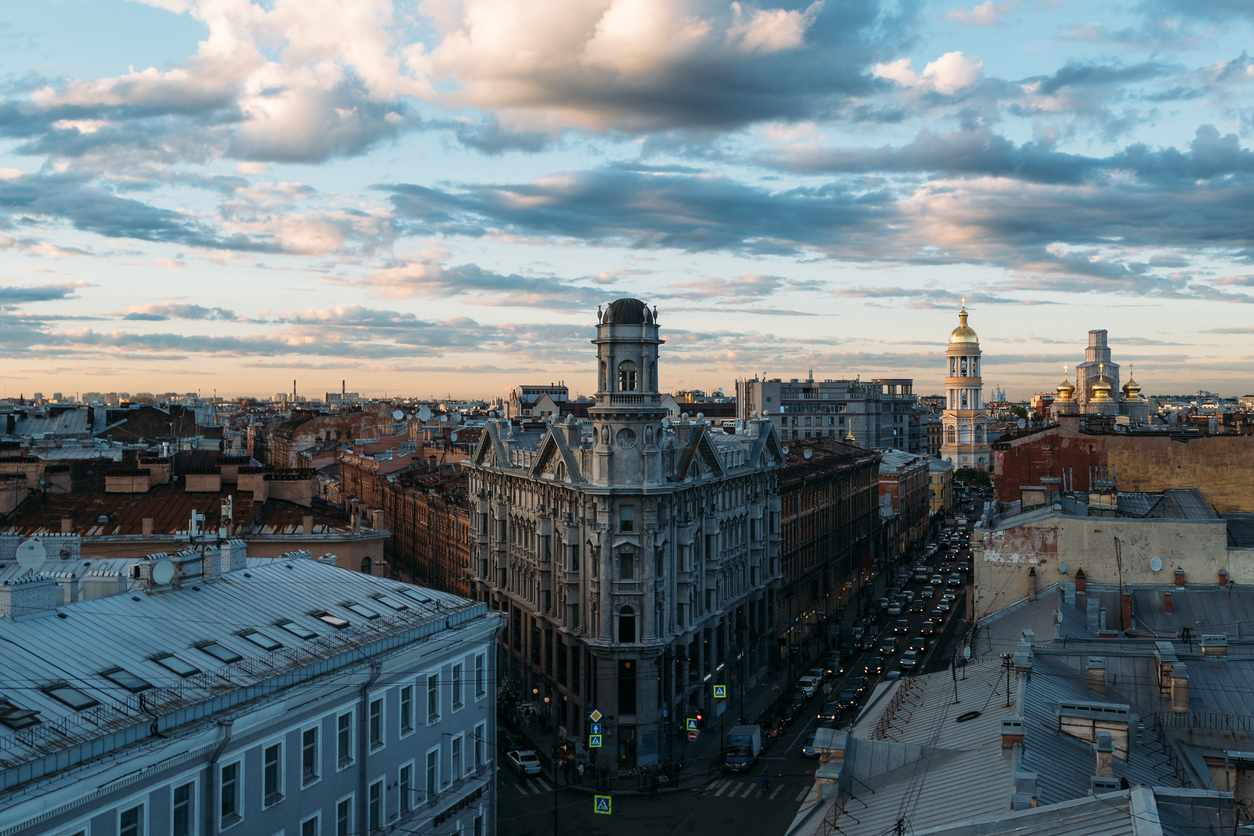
{"x": 1125, "y": 611}
{"x": 1025, "y": 793}
{"x": 1169, "y": 603}
{"x": 1012, "y": 731}
{"x": 1104, "y": 751}
{"x": 29, "y": 596}
{"x": 306, "y": 524}
{"x": 1179, "y": 576}
{"x": 1179, "y": 688}
{"x": 67, "y": 525}
{"x": 1096, "y": 669}
{"x": 1023, "y": 656}
{"x": 147, "y": 526}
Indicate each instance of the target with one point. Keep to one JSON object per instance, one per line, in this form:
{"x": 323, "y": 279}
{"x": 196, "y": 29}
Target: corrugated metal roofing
{"x": 1106, "y": 815}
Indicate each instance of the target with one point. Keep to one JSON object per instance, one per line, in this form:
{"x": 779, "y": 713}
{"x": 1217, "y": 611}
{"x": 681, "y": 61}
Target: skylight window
{"x": 219, "y": 652}
{"x": 17, "y": 718}
{"x": 297, "y": 630}
{"x": 331, "y": 619}
{"x": 390, "y": 603}
{"x": 72, "y": 697}
{"x": 126, "y": 679}
{"x": 176, "y": 665}
{"x": 361, "y": 609}
{"x": 261, "y": 640}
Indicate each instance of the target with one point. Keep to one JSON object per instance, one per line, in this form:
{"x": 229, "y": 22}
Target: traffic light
{"x": 700, "y": 720}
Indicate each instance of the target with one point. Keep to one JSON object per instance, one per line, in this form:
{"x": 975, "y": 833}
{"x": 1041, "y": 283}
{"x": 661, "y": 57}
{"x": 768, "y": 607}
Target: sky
{"x": 432, "y": 198}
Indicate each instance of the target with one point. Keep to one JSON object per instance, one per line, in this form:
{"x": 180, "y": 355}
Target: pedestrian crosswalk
{"x": 750, "y": 788}
{"x": 533, "y": 786}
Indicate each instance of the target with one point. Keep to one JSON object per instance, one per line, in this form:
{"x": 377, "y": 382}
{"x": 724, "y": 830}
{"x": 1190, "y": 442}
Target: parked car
{"x": 901, "y": 626}
{"x": 809, "y": 750}
{"x": 873, "y": 666}
{"x": 525, "y": 761}
{"x": 894, "y": 609}
{"x": 928, "y": 627}
{"x": 922, "y": 574}
{"x": 909, "y": 660}
{"x": 917, "y": 606}
{"x": 937, "y": 580}
{"x": 808, "y": 686}
{"x": 950, "y": 597}
{"x": 954, "y": 580}
{"x": 829, "y": 712}
{"x": 942, "y": 609}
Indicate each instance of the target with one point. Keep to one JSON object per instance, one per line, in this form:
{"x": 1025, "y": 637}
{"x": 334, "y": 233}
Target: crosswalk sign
{"x": 603, "y": 805}
{"x": 692, "y": 724}
{"x": 594, "y": 741}
{"x": 720, "y": 692}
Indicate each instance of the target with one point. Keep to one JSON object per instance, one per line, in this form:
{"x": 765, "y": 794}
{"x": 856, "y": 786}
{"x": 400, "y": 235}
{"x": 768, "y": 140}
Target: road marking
{"x": 748, "y": 792}
{"x": 801, "y": 796}
{"x": 544, "y": 785}
{"x": 718, "y": 786}
{"x": 776, "y": 791}
{"x": 524, "y": 789}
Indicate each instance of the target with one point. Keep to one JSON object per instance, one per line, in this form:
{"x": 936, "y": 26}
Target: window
{"x": 374, "y": 807}
{"x": 627, "y": 518}
{"x": 272, "y": 775}
{"x": 376, "y": 724}
{"x": 458, "y": 670}
{"x": 296, "y": 630}
{"x": 330, "y": 619}
{"x": 131, "y": 821}
{"x": 433, "y": 774}
{"x": 309, "y": 756}
{"x": 127, "y": 680}
{"x": 217, "y": 651}
{"x": 391, "y": 604}
{"x": 15, "y": 717}
{"x": 361, "y": 609}
{"x": 405, "y": 788}
{"x": 311, "y": 826}
{"x": 481, "y": 745}
{"x": 433, "y": 698}
{"x": 260, "y": 639}
{"x": 72, "y": 697}
{"x": 183, "y": 812}
{"x": 477, "y": 827}
{"x": 344, "y": 817}
{"x": 455, "y": 758}
{"x": 627, "y": 376}
{"x": 481, "y": 673}
{"x": 626, "y": 565}
{"x": 176, "y": 665}
{"x": 627, "y": 625}
{"x": 344, "y": 739}
{"x": 229, "y": 789}
{"x": 407, "y": 710}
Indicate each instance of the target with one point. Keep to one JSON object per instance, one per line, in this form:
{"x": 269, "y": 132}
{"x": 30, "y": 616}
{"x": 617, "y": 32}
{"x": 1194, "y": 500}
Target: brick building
{"x": 828, "y": 522}
{"x": 1076, "y": 449}
{"x": 905, "y": 498}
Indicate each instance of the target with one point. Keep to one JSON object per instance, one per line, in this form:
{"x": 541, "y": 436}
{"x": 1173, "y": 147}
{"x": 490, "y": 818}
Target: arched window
{"x": 367, "y": 566}
{"x": 628, "y": 376}
{"x": 626, "y": 625}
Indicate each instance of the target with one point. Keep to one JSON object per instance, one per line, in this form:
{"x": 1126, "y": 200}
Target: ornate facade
{"x": 965, "y": 419}
{"x": 633, "y": 555}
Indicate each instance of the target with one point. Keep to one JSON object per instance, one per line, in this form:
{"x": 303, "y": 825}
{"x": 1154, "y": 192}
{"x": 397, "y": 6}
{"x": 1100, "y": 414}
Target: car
{"x": 819, "y": 673}
{"x": 525, "y": 761}
{"x": 917, "y": 644}
{"x": 833, "y": 666}
{"x": 954, "y": 580}
{"x": 856, "y": 683}
{"x": 908, "y": 594}
{"x": 791, "y": 710}
{"x": 857, "y": 633}
{"x": 916, "y": 606}
{"x": 885, "y": 602}
{"x": 950, "y": 597}
{"x": 894, "y": 609}
{"x": 829, "y": 712}
{"x": 848, "y": 700}
{"x": 937, "y": 580}
{"x": 909, "y": 660}
{"x": 901, "y": 626}
{"x": 873, "y": 665}
{"x": 927, "y": 628}
{"x": 808, "y": 686}
{"x": 809, "y": 750}
{"x": 964, "y": 566}
{"x": 922, "y": 576}
{"x": 869, "y": 638}
{"x": 942, "y": 609}
{"x": 888, "y": 647}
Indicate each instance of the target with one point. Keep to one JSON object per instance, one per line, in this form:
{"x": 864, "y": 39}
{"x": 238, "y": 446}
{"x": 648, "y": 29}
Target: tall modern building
{"x": 965, "y": 419}
{"x": 633, "y": 555}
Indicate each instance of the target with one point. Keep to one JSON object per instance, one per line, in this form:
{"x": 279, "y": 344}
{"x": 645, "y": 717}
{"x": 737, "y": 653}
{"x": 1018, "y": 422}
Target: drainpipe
{"x": 211, "y": 783}
{"x": 363, "y": 750}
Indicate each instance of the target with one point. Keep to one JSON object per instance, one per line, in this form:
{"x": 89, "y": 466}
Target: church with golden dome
{"x": 965, "y": 419}
{"x": 1096, "y": 390}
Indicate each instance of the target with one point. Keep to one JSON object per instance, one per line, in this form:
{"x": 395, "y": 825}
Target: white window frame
{"x": 382, "y": 783}
{"x": 237, "y": 761}
{"x": 192, "y": 779}
{"x": 82, "y": 828}
{"x": 483, "y": 821}
{"x": 381, "y": 700}
{"x": 317, "y": 819}
{"x": 282, "y": 764}
{"x": 351, "y": 798}
{"x": 426, "y": 781}
{"x": 145, "y": 817}
{"x": 412, "y": 688}
{"x": 342, "y": 763}
{"x": 479, "y": 695}
{"x": 481, "y": 743}
{"x": 456, "y": 774}
{"x": 316, "y": 728}
{"x": 457, "y": 682}
{"x": 401, "y": 807}
{"x": 426, "y": 698}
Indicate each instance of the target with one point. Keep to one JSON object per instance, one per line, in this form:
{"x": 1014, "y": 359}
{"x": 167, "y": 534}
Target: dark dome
{"x": 627, "y": 312}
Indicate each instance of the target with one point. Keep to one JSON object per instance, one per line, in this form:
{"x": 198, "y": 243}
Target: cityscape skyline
{"x": 222, "y": 196}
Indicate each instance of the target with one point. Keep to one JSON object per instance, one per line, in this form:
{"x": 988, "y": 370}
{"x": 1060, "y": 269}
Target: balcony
{"x": 631, "y": 399}
{"x": 628, "y": 587}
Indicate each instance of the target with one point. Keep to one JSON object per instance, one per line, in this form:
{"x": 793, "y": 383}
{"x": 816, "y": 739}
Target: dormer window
{"x": 628, "y": 376}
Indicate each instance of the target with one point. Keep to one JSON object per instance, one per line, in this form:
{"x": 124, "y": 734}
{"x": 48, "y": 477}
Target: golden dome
{"x": 1131, "y": 389}
{"x": 1065, "y": 389}
{"x": 963, "y": 333}
{"x": 1101, "y": 388}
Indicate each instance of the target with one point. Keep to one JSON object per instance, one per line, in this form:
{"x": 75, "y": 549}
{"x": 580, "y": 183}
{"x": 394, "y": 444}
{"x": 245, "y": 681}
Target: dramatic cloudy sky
{"x": 434, "y": 196}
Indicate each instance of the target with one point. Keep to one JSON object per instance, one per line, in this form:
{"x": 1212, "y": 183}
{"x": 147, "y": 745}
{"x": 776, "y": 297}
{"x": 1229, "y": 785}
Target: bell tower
{"x": 628, "y": 411}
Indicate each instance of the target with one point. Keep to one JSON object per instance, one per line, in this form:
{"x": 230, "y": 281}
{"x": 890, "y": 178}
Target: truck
{"x": 744, "y": 744}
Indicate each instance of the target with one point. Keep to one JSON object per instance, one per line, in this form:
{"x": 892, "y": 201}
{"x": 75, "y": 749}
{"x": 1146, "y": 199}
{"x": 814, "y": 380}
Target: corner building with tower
{"x": 634, "y": 557}
{"x": 965, "y": 419}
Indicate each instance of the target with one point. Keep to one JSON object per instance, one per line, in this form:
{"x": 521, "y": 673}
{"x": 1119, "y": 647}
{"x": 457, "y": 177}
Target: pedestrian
{"x": 579, "y": 772}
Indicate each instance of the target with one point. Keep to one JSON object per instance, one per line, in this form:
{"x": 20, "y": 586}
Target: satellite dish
{"x": 398, "y": 415}
{"x": 807, "y": 454}
{"x": 1062, "y": 567}
{"x": 424, "y": 414}
{"x": 163, "y": 572}
{"x": 784, "y": 450}
{"x": 1156, "y": 564}
{"x": 31, "y": 555}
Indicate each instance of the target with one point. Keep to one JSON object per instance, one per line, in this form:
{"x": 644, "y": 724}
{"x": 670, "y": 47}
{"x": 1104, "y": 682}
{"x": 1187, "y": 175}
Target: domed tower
{"x": 965, "y": 420}
{"x": 1134, "y": 405}
{"x": 628, "y": 412}
{"x": 1064, "y": 403}
{"x": 1101, "y": 399}
{"x": 1131, "y": 389}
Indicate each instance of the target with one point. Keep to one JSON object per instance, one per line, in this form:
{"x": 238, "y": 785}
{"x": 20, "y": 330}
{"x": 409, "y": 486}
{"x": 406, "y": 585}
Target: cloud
{"x": 163, "y": 312}
{"x": 947, "y": 75}
{"x": 987, "y": 13}
{"x": 929, "y": 297}
{"x": 12, "y": 295}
